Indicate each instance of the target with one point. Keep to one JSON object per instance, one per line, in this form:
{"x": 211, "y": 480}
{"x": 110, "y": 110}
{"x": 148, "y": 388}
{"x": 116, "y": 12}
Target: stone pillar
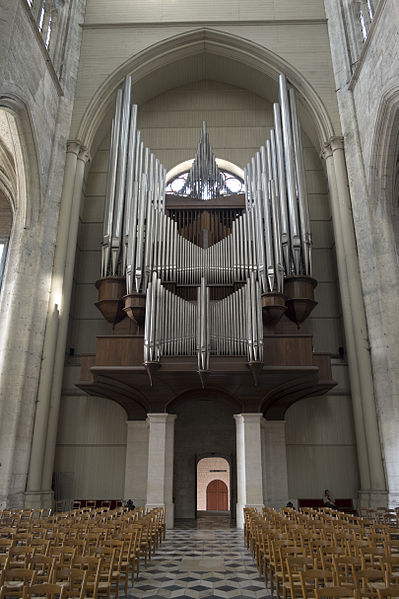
{"x": 275, "y": 473}
{"x": 33, "y": 496}
{"x": 160, "y": 463}
{"x": 372, "y": 479}
{"x": 59, "y": 350}
{"x": 136, "y": 469}
{"x": 249, "y": 463}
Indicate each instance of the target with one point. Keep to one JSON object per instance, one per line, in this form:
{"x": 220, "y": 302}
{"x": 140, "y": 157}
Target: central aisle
{"x": 200, "y": 561}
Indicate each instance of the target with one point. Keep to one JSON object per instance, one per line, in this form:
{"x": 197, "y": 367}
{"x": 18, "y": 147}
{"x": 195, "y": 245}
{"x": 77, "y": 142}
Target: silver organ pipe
{"x": 301, "y": 186}
{"x": 110, "y": 191}
{"x": 270, "y": 239}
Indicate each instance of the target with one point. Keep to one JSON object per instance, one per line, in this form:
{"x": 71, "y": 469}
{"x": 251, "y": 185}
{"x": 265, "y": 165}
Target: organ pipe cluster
{"x": 174, "y": 326}
{"x": 269, "y": 241}
{"x": 204, "y": 180}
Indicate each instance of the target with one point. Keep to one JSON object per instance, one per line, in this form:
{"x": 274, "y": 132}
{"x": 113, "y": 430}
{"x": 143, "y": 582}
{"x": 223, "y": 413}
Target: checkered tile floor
{"x": 221, "y": 565}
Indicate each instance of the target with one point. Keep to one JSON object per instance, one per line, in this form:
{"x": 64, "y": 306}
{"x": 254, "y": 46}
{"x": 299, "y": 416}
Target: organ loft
{"x": 206, "y": 275}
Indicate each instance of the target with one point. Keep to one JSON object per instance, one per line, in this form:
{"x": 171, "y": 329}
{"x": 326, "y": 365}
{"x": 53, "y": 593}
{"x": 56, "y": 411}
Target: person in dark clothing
{"x": 329, "y": 500}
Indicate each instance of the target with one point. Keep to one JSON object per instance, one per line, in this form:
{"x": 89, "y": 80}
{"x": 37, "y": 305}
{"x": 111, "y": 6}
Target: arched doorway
{"x": 217, "y": 496}
{"x": 209, "y": 470}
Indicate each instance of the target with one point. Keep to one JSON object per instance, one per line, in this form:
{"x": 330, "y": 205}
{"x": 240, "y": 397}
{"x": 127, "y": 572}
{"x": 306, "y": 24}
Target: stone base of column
{"x": 169, "y": 512}
{"x": 373, "y": 499}
{"x": 33, "y": 499}
{"x": 39, "y": 499}
{"x": 240, "y": 513}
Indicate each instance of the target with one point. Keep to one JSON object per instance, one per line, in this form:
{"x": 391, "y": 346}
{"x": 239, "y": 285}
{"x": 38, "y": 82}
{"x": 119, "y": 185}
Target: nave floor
{"x": 200, "y": 559}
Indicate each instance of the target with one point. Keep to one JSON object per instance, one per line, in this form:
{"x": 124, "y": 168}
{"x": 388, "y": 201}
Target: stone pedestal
{"x": 249, "y": 463}
{"x": 136, "y": 469}
{"x": 160, "y": 464}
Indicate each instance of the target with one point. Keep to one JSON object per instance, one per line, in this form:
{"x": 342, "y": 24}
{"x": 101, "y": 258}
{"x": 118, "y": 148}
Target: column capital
{"x": 326, "y": 151}
{"x": 249, "y": 417}
{"x": 337, "y": 142}
{"x": 73, "y": 146}
{"x": 160, "y": 417}
{"x": 84, "y": 155}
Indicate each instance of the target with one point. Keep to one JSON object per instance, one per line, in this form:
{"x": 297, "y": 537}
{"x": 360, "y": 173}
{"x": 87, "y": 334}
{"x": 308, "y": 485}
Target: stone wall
{"x": 41, "y": 107}
{"x": 368, "y": 101}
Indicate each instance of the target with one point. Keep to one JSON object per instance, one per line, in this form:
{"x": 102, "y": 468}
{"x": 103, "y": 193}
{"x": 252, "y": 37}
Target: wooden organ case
{"x": 204, "y": 288}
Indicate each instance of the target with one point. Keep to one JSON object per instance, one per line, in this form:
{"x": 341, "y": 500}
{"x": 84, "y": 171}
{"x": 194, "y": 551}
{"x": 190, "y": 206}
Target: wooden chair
{"x": 391, "y": 591}
{"x": 43, "y": 567}
{"x": 294, "y": 565}
{"x": 92, "y": 566}
{"x": 63, "y": 554}
{"x": 368, "y": 581}
{"x": 4, "y": 560}
{"x": 14, "y": 581}
{"x": 41, "y": 546}
{"x": 118, "y": 545}
{"x": 50, "y": 591}
{"x": 6, "y": 544}
{"x": 312, "y": 578}
{"x": 371, "y": 556}
{"x": 106, "y": 555}
{"x": 74, "y": 579}
{"x": 60, "y": 505}
{"x": 135, "y": 550}
{"x": 390, "y": 563}
{"x": 19, "y": 556}
{"x": 344, "y": 568}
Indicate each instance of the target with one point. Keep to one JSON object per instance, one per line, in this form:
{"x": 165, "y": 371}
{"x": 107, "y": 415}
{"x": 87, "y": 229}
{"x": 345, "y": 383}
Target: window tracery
{"x": 232, "y": 185}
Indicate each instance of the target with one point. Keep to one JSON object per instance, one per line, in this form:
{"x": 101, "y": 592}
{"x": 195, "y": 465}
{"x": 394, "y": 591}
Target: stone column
{"x": 249, "y": 463}
{"x": 33, "y": 496}
{"x": 275, "y": 488}
{"x": 373, "y": 487}
{"x": 59, "y": 357}
{"x": 136, "y": 469}
{"x": 160, "y": 463}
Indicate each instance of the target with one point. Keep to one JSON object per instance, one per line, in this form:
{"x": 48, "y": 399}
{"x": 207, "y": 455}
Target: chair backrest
{"x": 334, "y": 592}
{"x": 391, "y": 591}
{"x": 309, "y": 579}
{"x": 50, "y": 591}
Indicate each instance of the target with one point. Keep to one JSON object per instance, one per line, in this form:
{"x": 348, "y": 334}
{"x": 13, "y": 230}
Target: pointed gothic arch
{"x": 185, "y": 57}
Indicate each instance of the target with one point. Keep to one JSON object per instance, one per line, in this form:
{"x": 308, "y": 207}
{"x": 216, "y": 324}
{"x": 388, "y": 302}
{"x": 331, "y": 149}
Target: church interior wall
{"x": 91, "y": 449}
{"x": 297, "y": 33}
{"x": 321, "y": 447}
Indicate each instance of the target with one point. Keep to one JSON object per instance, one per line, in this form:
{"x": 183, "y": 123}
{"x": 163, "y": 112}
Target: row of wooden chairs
{"x": 89, "y": 552}
{"x": 381, "y": 514}
{"x": 322, "y": 553}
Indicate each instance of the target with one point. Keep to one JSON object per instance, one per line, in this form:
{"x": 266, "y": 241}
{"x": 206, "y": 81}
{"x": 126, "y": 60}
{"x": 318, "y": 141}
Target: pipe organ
{"x": 251, "y": 249}
{"x": 204, "y": 275}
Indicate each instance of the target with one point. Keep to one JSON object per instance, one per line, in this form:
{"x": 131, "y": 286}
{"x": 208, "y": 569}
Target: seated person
{"x": 329, "y": 500}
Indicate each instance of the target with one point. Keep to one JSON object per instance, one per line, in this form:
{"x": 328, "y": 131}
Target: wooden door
{"x": 216, "y": 496}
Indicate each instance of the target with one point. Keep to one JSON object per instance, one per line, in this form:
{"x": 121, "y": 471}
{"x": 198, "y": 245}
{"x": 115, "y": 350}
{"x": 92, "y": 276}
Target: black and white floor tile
{"x": 198, "y": 560}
